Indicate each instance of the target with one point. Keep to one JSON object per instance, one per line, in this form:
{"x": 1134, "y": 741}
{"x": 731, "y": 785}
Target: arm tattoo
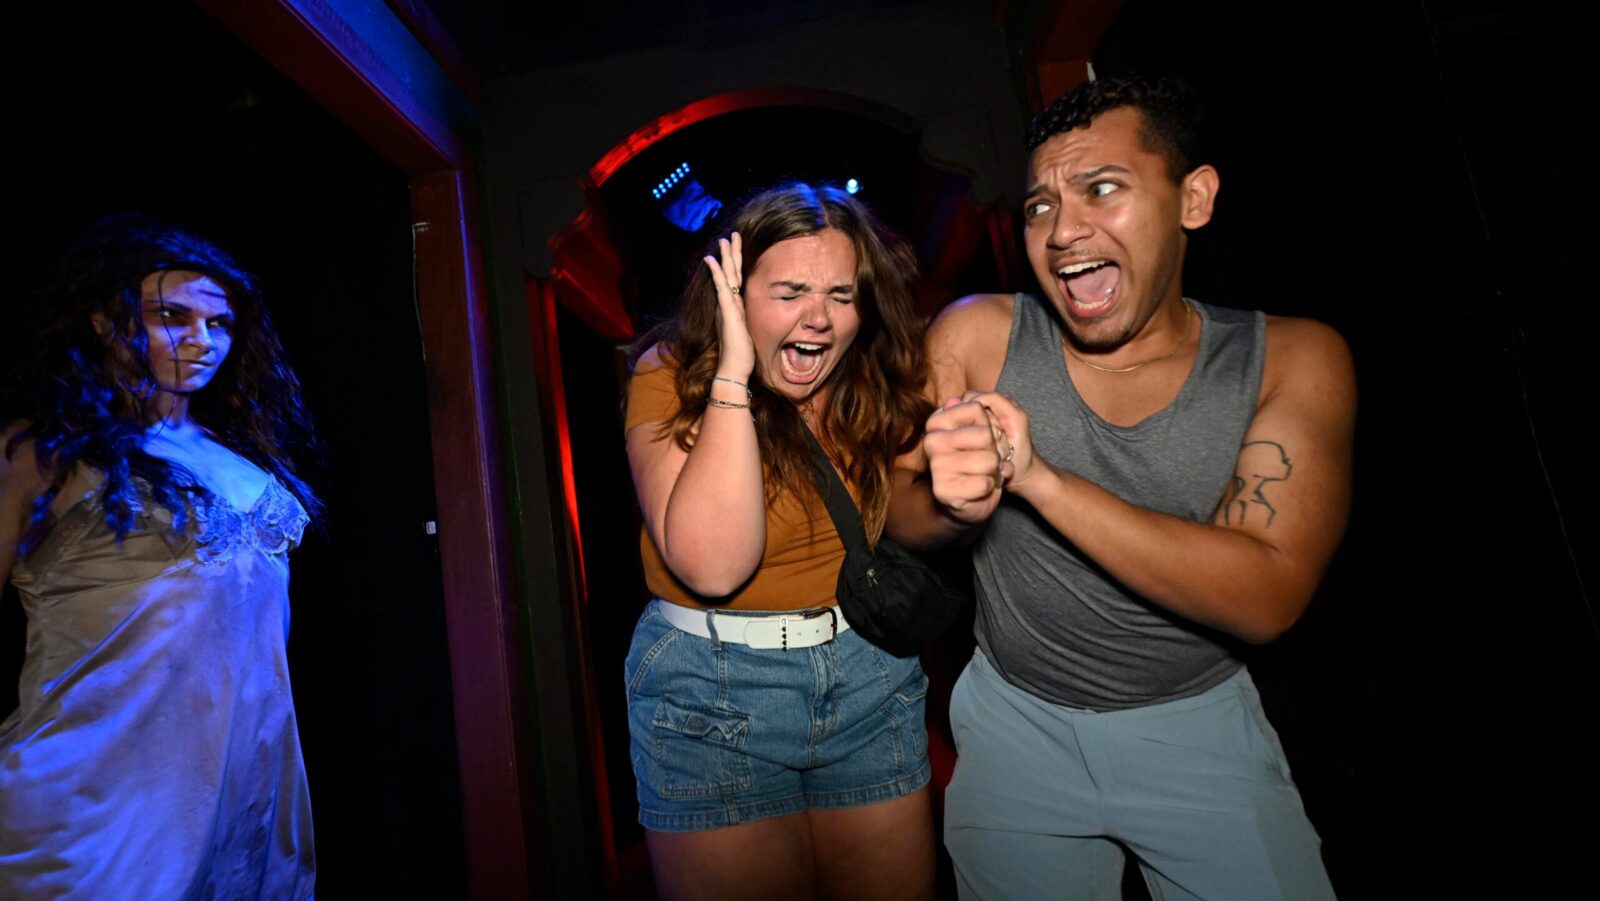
{"x": 1260, "y": 463}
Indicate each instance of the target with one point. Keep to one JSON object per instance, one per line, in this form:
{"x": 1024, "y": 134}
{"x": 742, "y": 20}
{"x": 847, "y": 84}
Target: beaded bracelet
{"x": 749, "y": 396}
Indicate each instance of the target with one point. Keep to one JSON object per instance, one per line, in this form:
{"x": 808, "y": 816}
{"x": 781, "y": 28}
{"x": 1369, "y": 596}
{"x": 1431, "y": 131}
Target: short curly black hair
{"x": 1172, "y": 116}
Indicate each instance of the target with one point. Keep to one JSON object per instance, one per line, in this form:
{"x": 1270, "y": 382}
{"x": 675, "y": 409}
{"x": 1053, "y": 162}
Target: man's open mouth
{"x": 1090, "y": 287}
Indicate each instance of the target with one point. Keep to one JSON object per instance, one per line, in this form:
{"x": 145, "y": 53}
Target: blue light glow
{"x": 852, "y": 186}
{"x": 690, "y": 207}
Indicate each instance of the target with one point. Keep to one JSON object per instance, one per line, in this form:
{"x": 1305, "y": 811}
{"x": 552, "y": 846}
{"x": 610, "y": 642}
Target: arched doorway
{"x": 650, "y": 208}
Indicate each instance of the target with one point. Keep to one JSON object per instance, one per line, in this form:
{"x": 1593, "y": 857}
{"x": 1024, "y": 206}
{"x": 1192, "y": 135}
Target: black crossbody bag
{"x": 888, "y": 594}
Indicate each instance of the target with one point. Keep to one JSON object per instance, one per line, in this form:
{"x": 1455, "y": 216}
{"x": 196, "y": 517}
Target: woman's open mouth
{"x": 802, "y": 361}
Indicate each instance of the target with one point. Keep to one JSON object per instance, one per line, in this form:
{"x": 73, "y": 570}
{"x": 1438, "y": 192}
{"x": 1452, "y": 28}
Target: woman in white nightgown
{"x": 147, "y": 509}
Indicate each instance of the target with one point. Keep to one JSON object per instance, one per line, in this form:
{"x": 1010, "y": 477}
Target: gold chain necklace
{"x": 1182, "y": 340}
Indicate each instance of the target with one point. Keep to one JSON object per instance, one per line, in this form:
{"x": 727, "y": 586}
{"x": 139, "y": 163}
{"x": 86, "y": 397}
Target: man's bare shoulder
{"x": 1306, "y": 354}
{"x": 974, "y": 312}
{"x": 969, "y": 337}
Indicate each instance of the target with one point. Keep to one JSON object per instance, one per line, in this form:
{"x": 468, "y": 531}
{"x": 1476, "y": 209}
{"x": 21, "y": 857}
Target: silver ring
{"x": 1011, "y": 452}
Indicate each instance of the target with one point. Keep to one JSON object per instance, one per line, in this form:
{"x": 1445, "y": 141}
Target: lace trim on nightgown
{"x": 221, "y": 531}
{"x": 273, "y": 524}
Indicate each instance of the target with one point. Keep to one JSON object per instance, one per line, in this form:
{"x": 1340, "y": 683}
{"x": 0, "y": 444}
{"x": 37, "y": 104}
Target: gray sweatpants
{"x": 1198, "y": 790}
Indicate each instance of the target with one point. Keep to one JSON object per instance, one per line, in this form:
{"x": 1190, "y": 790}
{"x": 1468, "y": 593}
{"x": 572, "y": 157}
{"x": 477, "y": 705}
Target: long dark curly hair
{"x": 88, "y": 394}
{"x": 877, "y": 407}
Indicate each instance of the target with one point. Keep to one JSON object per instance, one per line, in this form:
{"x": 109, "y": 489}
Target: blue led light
{"x": 852, "y": 186}
{"x": 666, "y": 185}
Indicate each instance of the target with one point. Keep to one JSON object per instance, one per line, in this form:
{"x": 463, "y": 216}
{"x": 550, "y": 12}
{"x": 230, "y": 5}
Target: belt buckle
{"x": 832, "y": 612}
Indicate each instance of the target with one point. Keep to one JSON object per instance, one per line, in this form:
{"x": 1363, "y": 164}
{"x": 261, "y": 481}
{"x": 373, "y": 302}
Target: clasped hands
{"x": 978, "y": 446}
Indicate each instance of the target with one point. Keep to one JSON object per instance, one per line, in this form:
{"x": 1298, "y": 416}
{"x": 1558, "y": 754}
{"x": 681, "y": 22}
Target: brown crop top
{"x": 800, "y": 566}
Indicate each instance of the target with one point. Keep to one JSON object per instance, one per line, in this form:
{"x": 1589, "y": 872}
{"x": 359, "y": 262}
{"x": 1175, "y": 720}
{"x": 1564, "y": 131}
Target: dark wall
{"x": 160, "y": 110}
{"x": 1406, "y": 172}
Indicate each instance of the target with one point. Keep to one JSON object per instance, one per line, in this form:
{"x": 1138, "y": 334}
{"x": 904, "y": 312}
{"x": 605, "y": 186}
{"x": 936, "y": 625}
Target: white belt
{"x": 777, "y": 630}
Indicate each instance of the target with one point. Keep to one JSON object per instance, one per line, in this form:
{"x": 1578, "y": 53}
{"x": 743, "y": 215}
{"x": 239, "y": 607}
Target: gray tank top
{"x": 1050, "y": 620}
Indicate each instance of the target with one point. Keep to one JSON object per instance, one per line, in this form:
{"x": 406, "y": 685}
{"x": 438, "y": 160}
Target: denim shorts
{"x": 724, "y": 733}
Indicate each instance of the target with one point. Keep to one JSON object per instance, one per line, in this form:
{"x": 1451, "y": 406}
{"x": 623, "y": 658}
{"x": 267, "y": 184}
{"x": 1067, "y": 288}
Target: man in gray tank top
{"x": 1151, "y": 484}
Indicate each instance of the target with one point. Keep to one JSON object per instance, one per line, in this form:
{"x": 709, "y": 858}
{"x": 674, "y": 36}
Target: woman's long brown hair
{"x": 877, "y": 408}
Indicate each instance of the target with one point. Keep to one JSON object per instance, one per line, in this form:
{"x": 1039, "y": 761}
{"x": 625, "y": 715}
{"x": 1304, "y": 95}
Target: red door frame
{"x": 331, "y": 59}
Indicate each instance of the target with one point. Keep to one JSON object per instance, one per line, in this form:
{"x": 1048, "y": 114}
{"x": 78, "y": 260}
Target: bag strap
{"x": 841, "y": 507}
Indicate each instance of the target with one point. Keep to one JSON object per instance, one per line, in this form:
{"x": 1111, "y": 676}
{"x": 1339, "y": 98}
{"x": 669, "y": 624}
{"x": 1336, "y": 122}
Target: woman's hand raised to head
{"x": 736, "y": 353}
